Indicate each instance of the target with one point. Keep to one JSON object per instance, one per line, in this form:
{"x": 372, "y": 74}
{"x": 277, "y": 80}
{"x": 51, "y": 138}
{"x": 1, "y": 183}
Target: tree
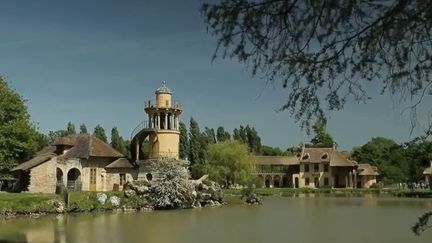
{"x": 230, "y": 162}
{"x": 209, "y": 135}
{"x": 99, "y": 132}
{"x": 83, "y": 129}
{"x": 117, "y": 141}
{"x": 271, "y": 151}
{"x": 387, "y": 155}
{"x": 253, "y": 140}
{"x": 70, "y": 129}
{"x": 325, "y": 52}
{"x": 184, "y": 142}
{"x": 18, "y": 136}
{"x": 195, "y": 143}
{"x": 222, "y": 135}
{"x": 322, "y": 138}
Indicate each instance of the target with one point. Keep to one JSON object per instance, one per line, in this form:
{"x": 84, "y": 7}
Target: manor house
{"x": 314, "y": 167}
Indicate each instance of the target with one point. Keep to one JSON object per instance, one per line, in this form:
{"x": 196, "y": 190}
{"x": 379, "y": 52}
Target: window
{"x": 316, "y": 167}
{"x": 307, "y": 181}
{"x": 122, "y": 179}
{"x": 316, "y": 182}
{"x": 306, "y": 167}
{"x": 326, "y": 181}
{"x": 326, "y": 167}
{"x": 167, "y": 103}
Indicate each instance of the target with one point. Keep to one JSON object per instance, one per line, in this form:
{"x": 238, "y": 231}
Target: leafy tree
{"x": 209, "y": 135}
{"x": 272, "y": 151}
{"x": 184, "y": 142}
{"x": 253, "y": 140}
{"x": 99, "y": 132}
{"x": 127, "y": 145}
{"x": 83, "y": 129}
{"x": 418, "y": 154}
{"x": 387, "y": 155}
{"x": 18, "y": 136}
{"x": 325, "y": 52}
{"x": 222, "y": 135}
{"x": 322, "y": 138}
{"x": 117, "y": 141}
{"x": 52, "y": 135}
{"x": 230, "y": 162}
{"x": 70, "y": 129}
{"x": 236, "y": 134}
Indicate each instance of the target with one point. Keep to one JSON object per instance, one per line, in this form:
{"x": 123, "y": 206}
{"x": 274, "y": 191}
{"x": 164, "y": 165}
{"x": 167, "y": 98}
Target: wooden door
{"x": 92, "y": 179}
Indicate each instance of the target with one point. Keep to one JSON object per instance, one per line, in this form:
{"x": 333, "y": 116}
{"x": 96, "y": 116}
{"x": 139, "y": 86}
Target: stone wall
{"x": 43, "y": 177}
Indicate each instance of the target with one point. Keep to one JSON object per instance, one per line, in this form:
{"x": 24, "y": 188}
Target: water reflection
{"x": 305, "y": 219}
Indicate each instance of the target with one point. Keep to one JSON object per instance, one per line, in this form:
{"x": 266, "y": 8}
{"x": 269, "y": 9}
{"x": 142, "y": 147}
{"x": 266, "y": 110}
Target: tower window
{"x": 167, "y": 103}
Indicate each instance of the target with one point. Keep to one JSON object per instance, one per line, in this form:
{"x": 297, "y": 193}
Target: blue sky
{"x": 96, "y": 62}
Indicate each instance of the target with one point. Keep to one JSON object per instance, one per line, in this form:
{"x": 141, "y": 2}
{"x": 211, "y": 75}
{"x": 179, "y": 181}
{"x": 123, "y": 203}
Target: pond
{"x": 280, "y": 219}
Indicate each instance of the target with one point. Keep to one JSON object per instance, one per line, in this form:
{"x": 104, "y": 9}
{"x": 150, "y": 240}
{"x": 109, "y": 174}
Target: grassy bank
{"x": 334, "y": 192}
{"x": 26, "y": 203}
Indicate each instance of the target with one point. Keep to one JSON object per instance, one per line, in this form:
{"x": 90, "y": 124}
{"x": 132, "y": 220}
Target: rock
{"x": 129, "y": 193}
{"x": 58, "y": 205}
{"x": 101, "y": 197}
{"x": 206, "y": 196}
{"x": 146, "y": 209}
{"x": 114, "y": 201}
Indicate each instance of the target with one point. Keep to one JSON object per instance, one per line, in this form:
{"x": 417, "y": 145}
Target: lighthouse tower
{"x": 161, "y": 128}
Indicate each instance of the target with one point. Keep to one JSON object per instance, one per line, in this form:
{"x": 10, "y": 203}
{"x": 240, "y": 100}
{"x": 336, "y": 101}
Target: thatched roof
{"x": 120, "y": 163}
{"x": 87, "y": 146}
{"x": 39, "y": 159}
{"x": 367, "y": 170}
{"x": 276, "y": 160}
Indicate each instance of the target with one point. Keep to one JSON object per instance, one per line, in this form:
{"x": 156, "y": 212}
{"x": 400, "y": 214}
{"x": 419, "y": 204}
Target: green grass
{"x": 87, "y": 201}
{"x": 24, "y": 203}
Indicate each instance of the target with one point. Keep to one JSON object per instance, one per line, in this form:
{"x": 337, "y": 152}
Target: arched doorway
{"x": 276, "y": 181}
{"x": 285, "y": 181}
{"x": 74, "y": 179}
{"x": 296, "y": 182}
{"x": 59, "y": 175}
{"x": 268, "y": 180}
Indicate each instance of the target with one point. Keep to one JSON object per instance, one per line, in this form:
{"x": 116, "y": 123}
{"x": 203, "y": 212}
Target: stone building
{"x": 79, "y": 162}
{"x": 314, "y": 167}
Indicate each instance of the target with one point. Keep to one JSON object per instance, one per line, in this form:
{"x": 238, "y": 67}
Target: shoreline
{"x": 27, "y": 205}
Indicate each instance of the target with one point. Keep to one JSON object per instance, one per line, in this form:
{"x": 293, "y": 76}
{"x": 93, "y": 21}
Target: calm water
{"x": 298, "y": 220}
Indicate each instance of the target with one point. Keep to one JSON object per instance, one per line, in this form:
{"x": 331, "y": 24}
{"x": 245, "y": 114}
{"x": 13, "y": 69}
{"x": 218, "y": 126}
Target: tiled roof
{"x": 367, "y": 169}
{"x": 39, "y": 159}
{"x": 276, "y": 160}
{"x": 90, "y": 146}
{"x": 120, "y": 163}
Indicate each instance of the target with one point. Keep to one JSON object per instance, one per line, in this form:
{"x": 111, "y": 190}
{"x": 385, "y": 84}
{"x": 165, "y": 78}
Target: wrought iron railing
{"x": 144, "y": 124}
{"x": 174, "y": 105}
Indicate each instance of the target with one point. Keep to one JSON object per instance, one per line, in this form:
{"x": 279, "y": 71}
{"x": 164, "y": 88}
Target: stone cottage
{"x": 78, "y": 162}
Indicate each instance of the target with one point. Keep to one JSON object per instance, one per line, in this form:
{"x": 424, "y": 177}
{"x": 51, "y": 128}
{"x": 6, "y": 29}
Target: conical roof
{"x": 163, "y": 89}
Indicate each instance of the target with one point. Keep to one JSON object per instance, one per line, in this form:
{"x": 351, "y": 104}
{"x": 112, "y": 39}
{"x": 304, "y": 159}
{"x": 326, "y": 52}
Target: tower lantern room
{"x": 161, "y": 128}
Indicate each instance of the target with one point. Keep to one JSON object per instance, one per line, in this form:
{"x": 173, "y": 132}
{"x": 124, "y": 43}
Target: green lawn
{"x": 23, "y": 203}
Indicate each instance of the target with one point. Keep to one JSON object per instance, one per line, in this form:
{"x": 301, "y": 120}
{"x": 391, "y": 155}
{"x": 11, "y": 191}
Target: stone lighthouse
{"x": 161, "y": 128}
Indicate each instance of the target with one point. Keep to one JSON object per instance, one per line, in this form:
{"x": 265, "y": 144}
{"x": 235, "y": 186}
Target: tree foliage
{"x": 326, "y": 52}
{"x": 117, "y": 141}
{"x": 322, "y": 138}
{"x": 18, "y": 136}
{"x": 83, "y": 129}
{"x": 387, "y": 155}
{"x": 248, "y": 136}
{"x": 230, "y": 162}
{"x": 184, "y": 142}
{"x": 99, "y": 132}
{"x": 70, "y": 129}
{"x": 222, "y": 135}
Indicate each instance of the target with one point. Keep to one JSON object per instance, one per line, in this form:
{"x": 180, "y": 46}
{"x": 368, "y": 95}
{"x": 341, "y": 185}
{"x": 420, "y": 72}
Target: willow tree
{"x": 325, "y": 52}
